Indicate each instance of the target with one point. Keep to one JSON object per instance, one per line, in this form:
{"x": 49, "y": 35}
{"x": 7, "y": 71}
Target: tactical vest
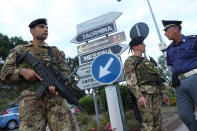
{"x": 41, "y": 54}
{"x": 147, "y": 73}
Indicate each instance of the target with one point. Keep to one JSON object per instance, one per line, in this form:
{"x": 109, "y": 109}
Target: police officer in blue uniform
{"x": 182, "y": 57}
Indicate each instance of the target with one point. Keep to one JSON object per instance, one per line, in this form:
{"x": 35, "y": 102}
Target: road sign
{"x": 116, "y": 49}
{"x": 106, "y": 68}
{"x": 87, "y": 82}
{"x": 94, "y": 33}
{"x": 116, "y": 38}
{"x": 84, "y": 70}
{"x": 98, "y": 21}
{"x": 138, "y": 33}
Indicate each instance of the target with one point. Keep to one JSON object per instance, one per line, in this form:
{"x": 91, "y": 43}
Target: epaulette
{"x": 192, "y": 36}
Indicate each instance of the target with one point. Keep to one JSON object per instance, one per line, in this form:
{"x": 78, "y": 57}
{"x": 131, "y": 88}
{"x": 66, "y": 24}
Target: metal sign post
{"x": 113, "y": 107}
{"x": 96, "y": 109}
{"x": 106, "y": 68}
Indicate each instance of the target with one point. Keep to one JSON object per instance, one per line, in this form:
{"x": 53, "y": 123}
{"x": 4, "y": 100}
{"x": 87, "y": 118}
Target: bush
{"x": 87, "y": 103}
{"x": 82, "y": 118}
{"x": 124, "y": 95}
{"x": 103, "y": 99}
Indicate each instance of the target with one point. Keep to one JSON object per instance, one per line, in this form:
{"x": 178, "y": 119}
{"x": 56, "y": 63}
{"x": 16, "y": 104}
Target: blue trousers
{"x": 186, "y": 96}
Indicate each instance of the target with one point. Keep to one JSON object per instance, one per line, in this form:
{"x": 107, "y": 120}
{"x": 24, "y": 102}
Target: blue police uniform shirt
{"x": 183, "y": 56}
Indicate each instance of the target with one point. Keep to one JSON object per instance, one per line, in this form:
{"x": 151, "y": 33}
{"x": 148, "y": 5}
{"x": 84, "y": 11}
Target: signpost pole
{"x": 113, "y": 107}
{"x": 96, "y": 109}
{"x": 125, "y": 127}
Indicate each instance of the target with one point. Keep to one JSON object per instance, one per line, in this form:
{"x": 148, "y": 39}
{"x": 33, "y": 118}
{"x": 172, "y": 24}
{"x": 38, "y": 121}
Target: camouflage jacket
{"x": 135, "y": 82}
{"x": 11, "y": 69}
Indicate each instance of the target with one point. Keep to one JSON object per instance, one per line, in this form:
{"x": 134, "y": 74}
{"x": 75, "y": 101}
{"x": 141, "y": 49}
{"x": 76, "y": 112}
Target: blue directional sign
{"x": 106, "y": 68}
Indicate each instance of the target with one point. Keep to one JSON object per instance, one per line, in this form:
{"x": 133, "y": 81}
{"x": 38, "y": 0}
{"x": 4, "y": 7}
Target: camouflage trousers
{"x": 151, "y": 114}
{"x": 36, "y": 113}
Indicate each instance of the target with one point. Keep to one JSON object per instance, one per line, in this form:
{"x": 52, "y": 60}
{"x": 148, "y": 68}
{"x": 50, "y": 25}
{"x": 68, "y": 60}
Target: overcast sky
{"x": 64, "y": 15}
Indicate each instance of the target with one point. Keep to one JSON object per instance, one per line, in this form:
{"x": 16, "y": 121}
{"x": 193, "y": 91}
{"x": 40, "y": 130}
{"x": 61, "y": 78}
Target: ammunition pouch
{"x": 175, "y": 81}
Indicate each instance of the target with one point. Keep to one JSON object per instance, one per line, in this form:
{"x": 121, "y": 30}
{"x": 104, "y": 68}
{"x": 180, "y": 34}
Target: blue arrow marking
{"x": 104, "y": 70}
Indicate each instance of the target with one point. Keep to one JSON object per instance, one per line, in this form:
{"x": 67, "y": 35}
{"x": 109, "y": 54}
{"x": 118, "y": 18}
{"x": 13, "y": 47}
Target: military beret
{"x": 170, "y": 23}
{"x": 38, "y": 21}
{"x": 136, "y": 41}
{"x": 138, "y": 33}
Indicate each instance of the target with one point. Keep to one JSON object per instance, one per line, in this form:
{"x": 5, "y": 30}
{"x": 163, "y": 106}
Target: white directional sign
{"x": 115, "y": 38}
{"x": 98, "y": 21}
{"x": 116, "y": 49}
{"x": 94, "y": 33}
{"x": 84, "y": 70}
{"x": 88, "y": 82}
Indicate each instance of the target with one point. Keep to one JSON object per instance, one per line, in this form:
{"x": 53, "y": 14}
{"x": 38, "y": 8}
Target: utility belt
{"x": 176, "y": 79}
{"x": 187, "y": 74}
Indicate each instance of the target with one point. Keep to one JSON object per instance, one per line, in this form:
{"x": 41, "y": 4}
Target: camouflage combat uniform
{"x": 144, "y": 81}
{"x": 35, "y": 112}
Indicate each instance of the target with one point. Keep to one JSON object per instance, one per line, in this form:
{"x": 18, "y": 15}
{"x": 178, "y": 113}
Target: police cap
{"x": 170, "y": 23}
{"x": 38, "y": 21}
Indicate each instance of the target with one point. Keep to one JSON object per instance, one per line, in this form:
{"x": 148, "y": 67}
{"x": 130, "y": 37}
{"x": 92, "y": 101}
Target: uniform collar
{"x": 183, "y": 40}
{"x": 31, "y": 44}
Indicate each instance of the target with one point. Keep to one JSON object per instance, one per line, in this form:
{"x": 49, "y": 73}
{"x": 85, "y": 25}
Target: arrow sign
{"x": 104, "y": 70}
{"x": 116, "y": 49}
{"x": 106, "y": 73}
{"x": 84, "y": 70}
{"x": 87, "y": 82}
{"x": 98, "y": 21}
{"x": 94, "y": 33}
{"x": 116, "y": 38}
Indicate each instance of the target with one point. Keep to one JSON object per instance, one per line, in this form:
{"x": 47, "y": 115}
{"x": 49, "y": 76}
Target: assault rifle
{"x": 51, "y": 77}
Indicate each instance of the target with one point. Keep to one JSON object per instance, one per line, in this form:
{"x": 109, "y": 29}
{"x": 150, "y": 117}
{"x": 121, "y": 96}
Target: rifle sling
{"x": 50, "y": 53}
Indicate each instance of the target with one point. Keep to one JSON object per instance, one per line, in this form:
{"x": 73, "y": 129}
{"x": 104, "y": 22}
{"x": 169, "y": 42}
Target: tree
{"x": 6, "y": 44}
{"x": 73, "y": 64}
{"x": 163, "y": 69}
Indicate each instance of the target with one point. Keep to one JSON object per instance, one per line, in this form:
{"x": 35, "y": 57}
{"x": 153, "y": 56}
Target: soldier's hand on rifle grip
{"x": 52, "y": 89}
{"x": 29, "y": 75}
{"x": 142, "y": 101}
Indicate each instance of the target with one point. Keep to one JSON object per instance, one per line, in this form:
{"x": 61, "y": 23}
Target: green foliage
{"x": 124, "y": 95}
{"x": 104, "y": 124}
{"x": 6, "y": 44}
{"x": 103, "y": 100}
{"x": 87, "y": 103}
{"x": 82, "y": 118}
{"x": 163, "y": 69}
{"x": 8, "y": 96}
{"x": 73, "y": 65}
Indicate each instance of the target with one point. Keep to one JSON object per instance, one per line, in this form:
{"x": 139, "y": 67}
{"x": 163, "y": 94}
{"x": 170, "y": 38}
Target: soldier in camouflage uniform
{"x": 143, "y": 80}
{"x": 51, "y": 109}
